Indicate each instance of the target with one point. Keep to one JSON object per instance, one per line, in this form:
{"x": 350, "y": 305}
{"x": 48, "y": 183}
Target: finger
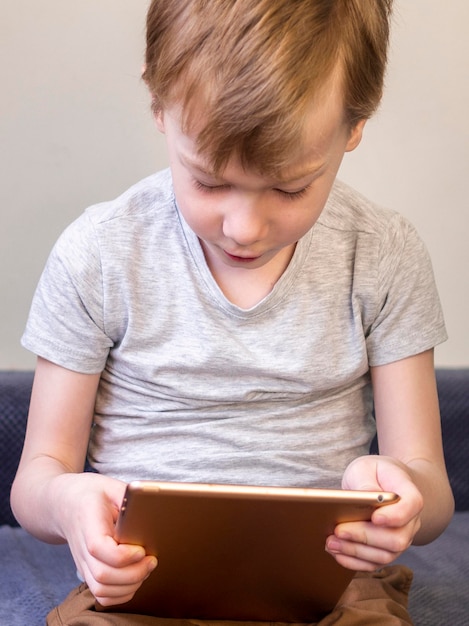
{"x": 106, "y": 550}
{"x": 358, "y": 556}
{"x": 358, "y": 564}
{"x": 392, "y": 540}
{"x": 373, "y": 473}
{"x": 131, "y": 574}
{"x": 403, "y": 512}
{"x": 108, "y": 582}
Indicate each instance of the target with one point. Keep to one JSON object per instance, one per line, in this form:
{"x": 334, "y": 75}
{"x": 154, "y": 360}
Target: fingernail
{"x": 344, "y": 535}
{"x": 138, "y": 552}
{"x": 333, "y": 545}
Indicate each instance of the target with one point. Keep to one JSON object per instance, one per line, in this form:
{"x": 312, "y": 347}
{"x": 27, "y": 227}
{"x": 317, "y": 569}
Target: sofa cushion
{"x": 439, "y": 593}
{"x": 15, "y": 394}
{"x": 35, "y": 577}
{"x": 453, "y": 392}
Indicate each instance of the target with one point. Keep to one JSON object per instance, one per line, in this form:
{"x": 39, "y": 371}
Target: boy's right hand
{"x": 89, "y": 507}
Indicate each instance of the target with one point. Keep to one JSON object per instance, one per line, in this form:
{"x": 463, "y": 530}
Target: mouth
{"x": 241, "y": 259}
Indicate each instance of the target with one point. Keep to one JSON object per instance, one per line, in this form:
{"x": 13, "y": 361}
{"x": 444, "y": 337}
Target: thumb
{"x": 362, "y": 475}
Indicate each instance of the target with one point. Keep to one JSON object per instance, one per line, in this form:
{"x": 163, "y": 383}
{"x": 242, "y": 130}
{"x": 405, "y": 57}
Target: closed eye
{"x": 209, "y": 188}
{"x": 293, "y": 195}
{"x": 290, "y": 195}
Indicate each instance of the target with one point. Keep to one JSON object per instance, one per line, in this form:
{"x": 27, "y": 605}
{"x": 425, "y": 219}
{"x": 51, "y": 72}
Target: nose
{"x": 245, "y": 224}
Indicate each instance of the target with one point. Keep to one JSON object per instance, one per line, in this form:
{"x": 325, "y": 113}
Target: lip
{"x": 241, "y": 259}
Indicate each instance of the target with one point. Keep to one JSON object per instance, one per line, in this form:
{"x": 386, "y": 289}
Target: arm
{"x": 411, "y": 463}
{"x": 55, "y": 501}
{"x": 409, "y": 430}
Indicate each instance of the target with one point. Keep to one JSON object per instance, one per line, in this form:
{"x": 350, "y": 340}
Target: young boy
{"x": 231, "y": 320}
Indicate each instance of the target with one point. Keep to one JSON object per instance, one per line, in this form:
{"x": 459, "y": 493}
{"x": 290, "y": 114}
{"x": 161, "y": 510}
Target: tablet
{"x": 239, "y": 553}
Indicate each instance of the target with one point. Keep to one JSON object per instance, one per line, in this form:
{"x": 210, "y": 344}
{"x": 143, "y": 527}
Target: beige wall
{"x": 75, "y": 128}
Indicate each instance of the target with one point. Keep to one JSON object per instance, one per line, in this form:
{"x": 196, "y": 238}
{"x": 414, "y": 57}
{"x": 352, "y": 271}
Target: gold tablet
{"x": 239, "y": 553}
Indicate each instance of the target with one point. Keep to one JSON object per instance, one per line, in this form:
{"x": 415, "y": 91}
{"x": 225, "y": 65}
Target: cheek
{"x": 296, "y": 228}
{"x": 197, "y": 213}
{"x": 314, "y": 208}
{"x": 300, "y": 228}
{"x": 300, "y": 222}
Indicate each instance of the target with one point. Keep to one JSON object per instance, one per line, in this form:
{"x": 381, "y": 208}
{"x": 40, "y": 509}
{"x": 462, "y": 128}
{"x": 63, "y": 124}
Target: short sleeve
{"x": 65, "y": 323}
{"x": 408, "y": 318}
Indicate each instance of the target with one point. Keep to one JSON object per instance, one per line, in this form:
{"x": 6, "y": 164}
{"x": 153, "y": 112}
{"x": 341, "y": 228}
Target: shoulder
{"x": 148, "y": 196}
{"x": 135, "y": 213}
{"x": 348, "y": 210}
{"x": 382, "y": 239}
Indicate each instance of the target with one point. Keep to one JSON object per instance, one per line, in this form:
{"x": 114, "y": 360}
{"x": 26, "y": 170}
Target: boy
{"x": 230, "y": 320}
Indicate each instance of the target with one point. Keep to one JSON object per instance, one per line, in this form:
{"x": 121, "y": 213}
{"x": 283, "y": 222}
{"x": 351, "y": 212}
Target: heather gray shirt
{"x": 193, "y": 387}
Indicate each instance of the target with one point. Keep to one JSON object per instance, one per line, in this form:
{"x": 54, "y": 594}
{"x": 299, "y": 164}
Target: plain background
{"x": 75, "y": 129}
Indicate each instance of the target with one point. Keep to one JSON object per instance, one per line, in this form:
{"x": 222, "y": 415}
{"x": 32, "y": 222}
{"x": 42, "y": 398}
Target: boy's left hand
{"x": 367, "y": 546}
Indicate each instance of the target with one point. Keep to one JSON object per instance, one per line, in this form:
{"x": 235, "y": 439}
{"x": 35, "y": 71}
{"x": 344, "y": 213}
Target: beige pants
{"x": 378, "y": 599}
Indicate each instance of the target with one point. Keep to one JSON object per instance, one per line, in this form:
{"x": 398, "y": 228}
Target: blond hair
{"x": 245, "y": 72}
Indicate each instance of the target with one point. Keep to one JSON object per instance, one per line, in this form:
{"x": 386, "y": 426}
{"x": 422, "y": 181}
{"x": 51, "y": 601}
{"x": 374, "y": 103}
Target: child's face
{"x": 246, "y": 220}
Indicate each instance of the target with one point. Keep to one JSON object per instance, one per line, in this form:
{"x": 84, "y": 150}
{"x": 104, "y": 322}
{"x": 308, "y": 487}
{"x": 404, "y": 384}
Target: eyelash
{"x": 290, "y": 195}
{"x": 208, "y": 188}
{"x": 293, "y": 195}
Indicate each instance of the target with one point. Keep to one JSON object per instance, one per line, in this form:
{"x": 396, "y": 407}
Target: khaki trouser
{"x": 378, "y": 599}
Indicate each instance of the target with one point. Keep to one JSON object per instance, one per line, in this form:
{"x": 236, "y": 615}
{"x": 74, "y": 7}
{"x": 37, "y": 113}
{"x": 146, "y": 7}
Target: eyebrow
{"x": 310, "y": 170}
{"x": 197, "y": 166}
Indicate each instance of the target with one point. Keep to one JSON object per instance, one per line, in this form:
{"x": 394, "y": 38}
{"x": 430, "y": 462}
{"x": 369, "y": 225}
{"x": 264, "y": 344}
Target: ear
{"x": 356, "y": 134}
{"x": 158, "y": 114}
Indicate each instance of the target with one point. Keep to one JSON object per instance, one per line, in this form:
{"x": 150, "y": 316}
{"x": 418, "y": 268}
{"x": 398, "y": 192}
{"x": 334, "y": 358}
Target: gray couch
{"x": 35, "y": 576}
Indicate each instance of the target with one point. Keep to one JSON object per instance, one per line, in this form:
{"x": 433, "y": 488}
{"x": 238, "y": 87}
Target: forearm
{"x": 45, "y": 494}
{"x": 409, "y": 431}
{"x": 438, "y": 507}
{"x": 37, "y": 498}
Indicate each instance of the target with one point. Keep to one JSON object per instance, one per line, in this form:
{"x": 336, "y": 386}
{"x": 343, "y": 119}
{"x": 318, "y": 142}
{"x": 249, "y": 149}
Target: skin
{"x": 248, "y": 225}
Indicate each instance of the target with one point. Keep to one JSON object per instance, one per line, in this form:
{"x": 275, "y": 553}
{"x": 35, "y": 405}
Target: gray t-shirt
{"x": 194, "y": 388}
